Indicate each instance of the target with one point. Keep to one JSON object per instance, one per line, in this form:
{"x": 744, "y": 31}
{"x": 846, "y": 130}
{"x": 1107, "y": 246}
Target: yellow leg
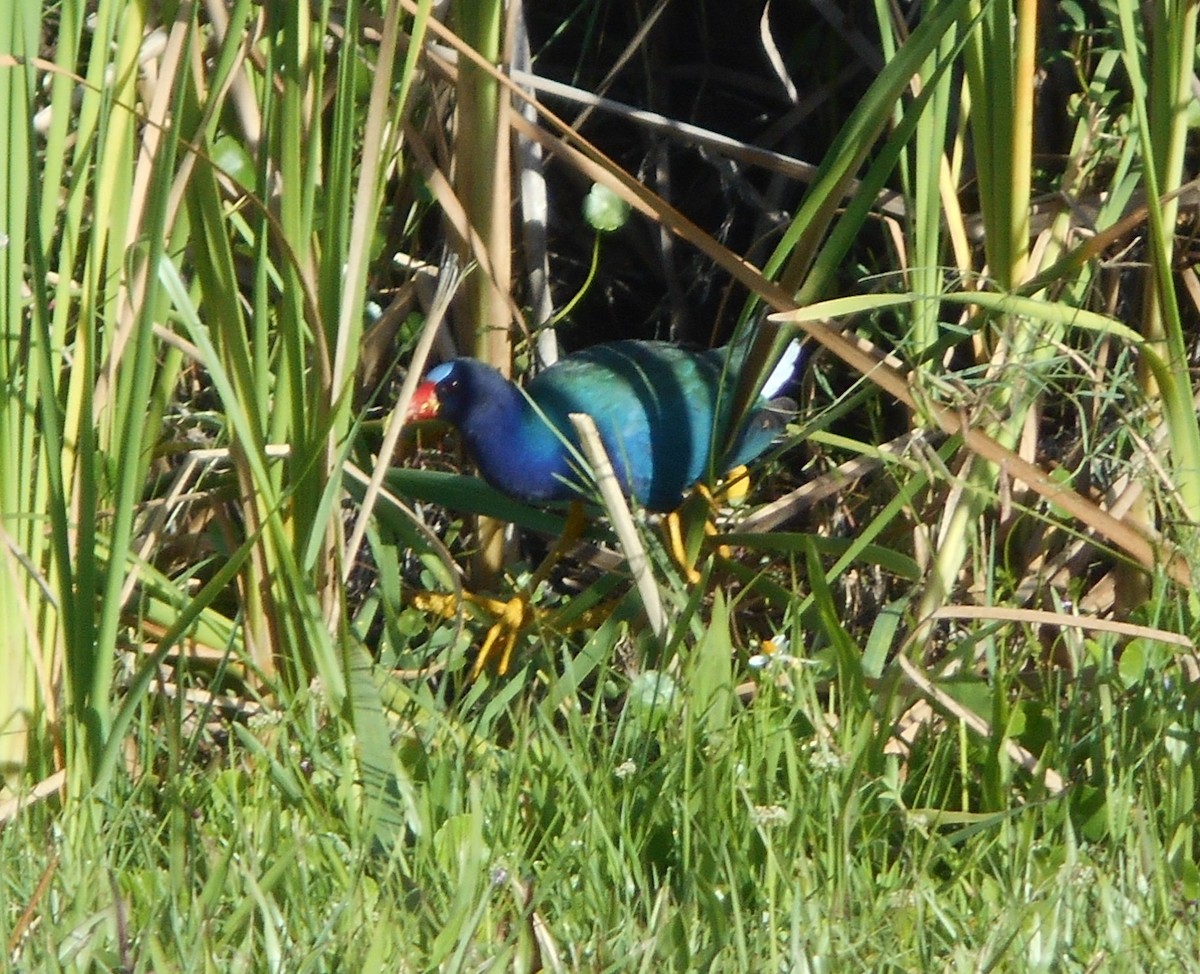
{"x": 572, "y": 532}
{"x": 736, "y": 485}
{"x": 676, "y": 548}
{"x": 734, "y": 490}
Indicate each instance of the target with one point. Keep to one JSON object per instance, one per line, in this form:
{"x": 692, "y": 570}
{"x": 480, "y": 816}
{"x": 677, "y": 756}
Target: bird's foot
{"x": 515, "y": 615}
{"x": 512, "y": 617}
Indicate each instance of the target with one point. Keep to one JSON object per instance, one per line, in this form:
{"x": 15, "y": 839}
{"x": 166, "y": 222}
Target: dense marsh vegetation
{"x": 931, "y": 703}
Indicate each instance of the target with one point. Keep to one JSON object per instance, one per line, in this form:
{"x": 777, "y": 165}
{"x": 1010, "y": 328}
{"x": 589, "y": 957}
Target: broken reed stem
{"x": 622, "y": 521}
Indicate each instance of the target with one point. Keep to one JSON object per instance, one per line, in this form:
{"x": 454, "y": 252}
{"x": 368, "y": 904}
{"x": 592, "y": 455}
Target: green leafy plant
{"x": 931, "y": 701}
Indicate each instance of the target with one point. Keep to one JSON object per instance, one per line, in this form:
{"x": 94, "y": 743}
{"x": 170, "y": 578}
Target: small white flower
{"x": 1084, "y": 876}
{"x": 773, "y": 654}
{"x": 823, "y": 759}
{"x": 625, "y": 769}
{"x": 770, "y": 815}
{"x": 919, "y": 821}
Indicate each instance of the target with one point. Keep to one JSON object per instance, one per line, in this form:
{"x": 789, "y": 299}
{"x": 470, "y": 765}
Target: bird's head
{"x": 453, "y": 389}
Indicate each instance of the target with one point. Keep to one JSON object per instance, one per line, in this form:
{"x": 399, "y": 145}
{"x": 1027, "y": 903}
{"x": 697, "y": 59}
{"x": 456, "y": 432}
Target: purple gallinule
{"x": 664, "y": 414}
